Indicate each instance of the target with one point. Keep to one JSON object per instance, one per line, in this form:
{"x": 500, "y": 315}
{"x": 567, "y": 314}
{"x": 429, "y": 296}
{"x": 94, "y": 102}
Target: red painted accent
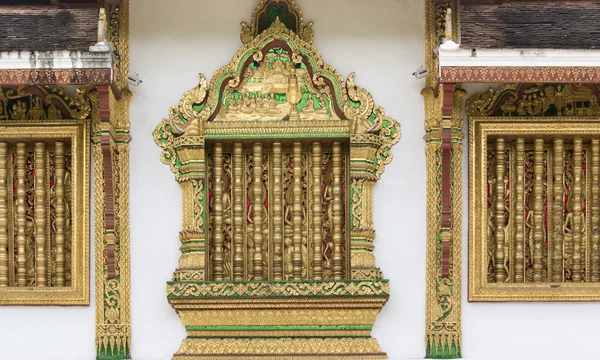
{"x": 447, "y": 99}
{"x": 446, "y": 260}
{"x": 103, "y": 97}
{"x": 109, "y": 202}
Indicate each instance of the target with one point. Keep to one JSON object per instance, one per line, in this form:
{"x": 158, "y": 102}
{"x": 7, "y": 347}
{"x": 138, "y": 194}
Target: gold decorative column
{"x": 444, "y": 149}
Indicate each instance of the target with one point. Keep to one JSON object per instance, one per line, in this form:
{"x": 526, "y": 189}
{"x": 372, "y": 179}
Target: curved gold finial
{"x": 268, "y": 11}
{"x": 193, "y": 97}
{"x": 359, "y": 115}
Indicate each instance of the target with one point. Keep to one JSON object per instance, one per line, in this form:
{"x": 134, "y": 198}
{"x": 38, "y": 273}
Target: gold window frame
{"x": 77, "y": 133}
{"x": 481, "y": 129}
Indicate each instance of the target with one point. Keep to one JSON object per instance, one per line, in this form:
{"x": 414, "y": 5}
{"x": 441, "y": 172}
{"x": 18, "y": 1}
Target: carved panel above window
{"x": 535, "y": 194}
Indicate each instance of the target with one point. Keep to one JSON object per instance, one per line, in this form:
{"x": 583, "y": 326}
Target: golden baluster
{"x": 40, "y": 214}
{"x": 577, "y": 209}
{"x": 519, "y": 237}
{"x": 277, "y": 206}
{"x": 558, "y": 211}
{"x": 297, "y": 213}
{"x": 21, "y": 256}
{"x": 338, "y": 212}
{"x": 538, "y": 211}
{"x": 238, "y": 213}
{"x": 317, "y": 212}
{"x": 3, "y": 215}
{"x": 595, "y": 266}
{"x": 258, "y": 211}
{"x": 217, "y": 188}
{"x": 59, "y": 181}
{"x": 499, "y": 272}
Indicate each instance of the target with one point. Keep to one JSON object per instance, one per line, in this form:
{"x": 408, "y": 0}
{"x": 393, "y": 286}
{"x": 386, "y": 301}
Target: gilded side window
{"x": 535, "y": 194}
{"x": 44, "y": 217}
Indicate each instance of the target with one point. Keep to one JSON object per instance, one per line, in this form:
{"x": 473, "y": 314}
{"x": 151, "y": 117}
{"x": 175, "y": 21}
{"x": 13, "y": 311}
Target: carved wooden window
{"x": 277, "y": 159}
{"x": 43, "y": 199}
{"x": 535, "y": 194}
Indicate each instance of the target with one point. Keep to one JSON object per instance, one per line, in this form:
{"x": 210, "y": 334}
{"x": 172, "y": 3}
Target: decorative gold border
{"x": 78, "y": 132}
{"x": 513, "y": 74}
{"x": 479, "y": 289}
{"x": 55, "y": 76}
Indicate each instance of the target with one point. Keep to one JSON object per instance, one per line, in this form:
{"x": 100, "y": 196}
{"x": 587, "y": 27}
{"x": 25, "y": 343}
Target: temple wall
{"x": 383, "y": 41}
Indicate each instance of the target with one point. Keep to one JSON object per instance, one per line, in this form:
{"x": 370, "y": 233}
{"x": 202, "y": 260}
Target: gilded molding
{"x": 523, "y": 74}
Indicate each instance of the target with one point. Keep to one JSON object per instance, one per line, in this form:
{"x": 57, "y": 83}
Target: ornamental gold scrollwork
{"x": 523, "y": 100}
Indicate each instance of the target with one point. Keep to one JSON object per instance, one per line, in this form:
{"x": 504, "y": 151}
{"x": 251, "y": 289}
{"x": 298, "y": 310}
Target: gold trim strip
{"x": 218, "y": 211}
{"x": 3, "y": 216}
{"x": 238, "y": 213}
{"x": 519, "y": 267}
{"x": 40, "y": 214}
{"x": 59, "y": 180}
{"x": 257, "y": 212}
{"x": 21, "y": 257}
{"x": 317, "y": 212}
{"x": 538, "y": 211}
{"x": 577, "y": 210}
{"x": 338, "y": 212}
{"x": 499, "y": 273}
{"x": 277, "y": 212}
{"x": 595, "y": 266}
{"x": 558, "y": 207}
{"x": 297, "y": 211}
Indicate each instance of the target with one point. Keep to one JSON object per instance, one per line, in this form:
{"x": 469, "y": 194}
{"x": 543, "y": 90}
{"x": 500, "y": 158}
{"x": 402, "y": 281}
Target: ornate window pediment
{"x": 44, "y": 166}
{"x": 534, "y": 204}
{"x": 277, "y": 159}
